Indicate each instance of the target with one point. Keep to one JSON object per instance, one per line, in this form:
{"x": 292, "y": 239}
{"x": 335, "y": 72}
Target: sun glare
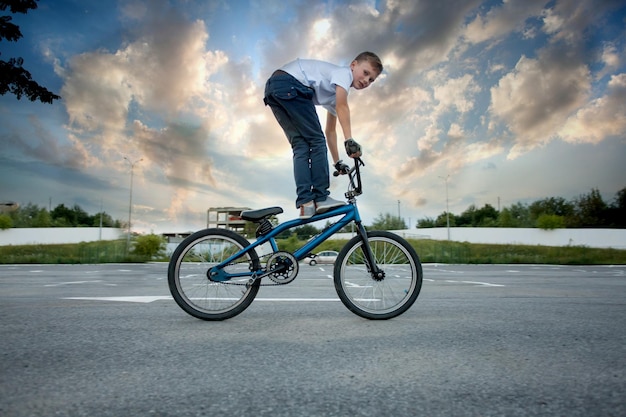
{"x": 321, "y": 28}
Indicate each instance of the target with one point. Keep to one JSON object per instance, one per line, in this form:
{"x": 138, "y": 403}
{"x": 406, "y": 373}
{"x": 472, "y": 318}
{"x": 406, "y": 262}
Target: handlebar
{"x": 357, "y": 162}
{"x": 355, "y": 175}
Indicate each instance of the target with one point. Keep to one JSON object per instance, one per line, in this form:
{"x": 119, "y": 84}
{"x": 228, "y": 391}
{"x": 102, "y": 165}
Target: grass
{"x": 436, "y": 251}
{"x": 113, "y": 251}
{"x": 429, "y": 251}
{"x": 465, "y": 253}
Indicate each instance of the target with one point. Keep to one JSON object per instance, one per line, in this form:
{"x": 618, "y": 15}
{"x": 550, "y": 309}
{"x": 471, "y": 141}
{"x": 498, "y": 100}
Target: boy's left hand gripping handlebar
{"x": 345, "y": 169}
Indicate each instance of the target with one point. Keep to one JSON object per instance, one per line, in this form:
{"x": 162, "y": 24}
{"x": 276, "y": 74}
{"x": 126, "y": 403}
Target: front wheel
{"x": 190, "y": 286}
{"x": 382, "y": 297}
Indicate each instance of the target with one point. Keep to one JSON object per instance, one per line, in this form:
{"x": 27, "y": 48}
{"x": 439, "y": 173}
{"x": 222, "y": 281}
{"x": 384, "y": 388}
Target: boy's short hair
{"x": 372, "y": 58}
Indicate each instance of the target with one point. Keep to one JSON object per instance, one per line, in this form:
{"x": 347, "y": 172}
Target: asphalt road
{"x": 509, "y": 340}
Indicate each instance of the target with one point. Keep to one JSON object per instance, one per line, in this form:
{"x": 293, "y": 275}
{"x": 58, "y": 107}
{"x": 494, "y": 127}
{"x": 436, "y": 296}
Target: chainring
{"x": 282, "y": 267}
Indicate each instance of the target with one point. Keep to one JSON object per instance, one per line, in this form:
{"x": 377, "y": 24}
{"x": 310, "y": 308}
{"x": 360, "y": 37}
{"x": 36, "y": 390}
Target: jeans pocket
{"x": 305, "y": 92}
{"x": 289, "y": 91}
{"x": 285, "y": 93}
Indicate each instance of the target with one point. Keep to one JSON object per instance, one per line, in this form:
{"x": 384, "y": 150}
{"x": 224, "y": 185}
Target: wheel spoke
{"x": 189, "y": 283}
{"x": 372, "y": 297}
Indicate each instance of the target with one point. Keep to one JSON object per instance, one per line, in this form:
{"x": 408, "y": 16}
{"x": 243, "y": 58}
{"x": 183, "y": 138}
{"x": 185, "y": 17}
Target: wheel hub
{"x": 378, "y": 275}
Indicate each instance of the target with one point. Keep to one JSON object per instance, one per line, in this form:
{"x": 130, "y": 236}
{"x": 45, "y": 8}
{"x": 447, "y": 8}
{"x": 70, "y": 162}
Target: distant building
{"x": 8, "y": 206}
{"x": 219, "y": 217}
{"x": 175, "y": 237}
{"x": 226, "y": 218}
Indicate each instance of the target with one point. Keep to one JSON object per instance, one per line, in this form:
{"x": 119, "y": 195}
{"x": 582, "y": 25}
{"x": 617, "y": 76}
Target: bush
{"x": 5, "y": 222}
{"x": 113, "y": 251}
{"x": 149, "y": 246}
{"x": 550, "y": 222}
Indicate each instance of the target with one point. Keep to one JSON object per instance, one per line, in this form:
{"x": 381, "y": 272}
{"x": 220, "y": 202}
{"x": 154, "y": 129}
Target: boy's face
{"x": 363, "y": 74}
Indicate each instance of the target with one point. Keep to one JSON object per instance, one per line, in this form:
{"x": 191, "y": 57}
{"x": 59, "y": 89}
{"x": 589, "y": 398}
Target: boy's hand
{"x": 352, "y": 148}
{"x": 341, "y": 168}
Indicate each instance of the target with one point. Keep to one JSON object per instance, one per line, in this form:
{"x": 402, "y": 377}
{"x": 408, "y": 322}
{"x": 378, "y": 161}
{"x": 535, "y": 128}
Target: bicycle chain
{"x": 254, "y": 278}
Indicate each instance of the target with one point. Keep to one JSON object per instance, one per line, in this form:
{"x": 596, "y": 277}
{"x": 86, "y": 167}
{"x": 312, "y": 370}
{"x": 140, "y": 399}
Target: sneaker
{"x": 307, "y": 210}
{"x": 329, "y": 203}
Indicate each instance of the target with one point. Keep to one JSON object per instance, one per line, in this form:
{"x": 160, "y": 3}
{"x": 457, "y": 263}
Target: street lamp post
{"x": 130, "y": 199}
{"x": 447, "y": 208}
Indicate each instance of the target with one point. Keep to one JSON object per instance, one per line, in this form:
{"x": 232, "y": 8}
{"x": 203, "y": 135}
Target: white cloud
{"x": 600, "y": 118}
{"x": 569, "y": 20}
{"x": 535, "y": 99}
{"x": 610, "y": 58}
{"x": 457, "y": 93}
{"x": 502, "y": 19}
{"x": 159, "y": 72}
{"x": 154, "y": 97}
{"x": 97, "y": 92}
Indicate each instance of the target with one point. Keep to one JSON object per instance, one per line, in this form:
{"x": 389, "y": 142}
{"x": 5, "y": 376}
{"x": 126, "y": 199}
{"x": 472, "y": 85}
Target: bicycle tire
{"x": 378, "y": 299}
{"x": 190, "y": 286}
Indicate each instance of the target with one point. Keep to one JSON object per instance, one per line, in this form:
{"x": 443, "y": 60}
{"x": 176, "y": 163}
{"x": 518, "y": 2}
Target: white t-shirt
{"x": 322, "y": 77}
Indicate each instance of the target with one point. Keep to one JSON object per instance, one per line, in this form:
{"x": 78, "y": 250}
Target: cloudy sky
{"x": 512, "y": 101}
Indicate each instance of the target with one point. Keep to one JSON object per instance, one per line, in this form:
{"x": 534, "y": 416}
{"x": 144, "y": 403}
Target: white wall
{"x": 594, "y": 238}
{"x": 52, "y": 235}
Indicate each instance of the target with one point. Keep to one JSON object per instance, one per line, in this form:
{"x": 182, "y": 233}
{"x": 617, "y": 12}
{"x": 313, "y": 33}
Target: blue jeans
{"x": 292, "y": 105}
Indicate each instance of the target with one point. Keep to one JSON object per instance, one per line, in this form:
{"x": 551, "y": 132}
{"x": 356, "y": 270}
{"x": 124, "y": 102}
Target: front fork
{"x": 377, "y": 273}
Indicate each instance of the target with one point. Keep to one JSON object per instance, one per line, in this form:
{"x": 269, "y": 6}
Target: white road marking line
{"x": 353, "y": 285}
{"x": 443, "y": 270}
{"x": 297, "y": 299}
{"x": 138, "y": 299}
{"x": 484, "y": 284}
{"x": 58, "y": 284}
{"x": 150, "y": 299}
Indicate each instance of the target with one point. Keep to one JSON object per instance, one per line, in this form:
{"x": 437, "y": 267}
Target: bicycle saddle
{"x": 257, "y": 215}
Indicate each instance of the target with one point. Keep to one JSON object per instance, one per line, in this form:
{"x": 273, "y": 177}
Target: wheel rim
{"x": 193, "y": 286}
{"x": 387, "y": 295}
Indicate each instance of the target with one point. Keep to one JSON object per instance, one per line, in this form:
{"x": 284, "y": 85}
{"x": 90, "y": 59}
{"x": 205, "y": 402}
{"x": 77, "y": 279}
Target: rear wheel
{"x": 378, "y": 298}
{"x": 190, "y": 286}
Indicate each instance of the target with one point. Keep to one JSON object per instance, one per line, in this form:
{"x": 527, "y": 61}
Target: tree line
{"x": 586, "y": 211}
{"x": 31, "y": 215}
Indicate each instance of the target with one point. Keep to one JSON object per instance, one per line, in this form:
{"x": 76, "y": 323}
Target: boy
{"x": 292, "y": 92}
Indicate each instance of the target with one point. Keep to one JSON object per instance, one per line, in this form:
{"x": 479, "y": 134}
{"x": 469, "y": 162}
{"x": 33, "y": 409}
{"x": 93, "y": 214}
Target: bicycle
{"x": 215, "y": 274}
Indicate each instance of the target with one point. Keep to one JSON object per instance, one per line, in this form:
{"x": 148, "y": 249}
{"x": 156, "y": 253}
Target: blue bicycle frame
{"x": 350, "y": 213}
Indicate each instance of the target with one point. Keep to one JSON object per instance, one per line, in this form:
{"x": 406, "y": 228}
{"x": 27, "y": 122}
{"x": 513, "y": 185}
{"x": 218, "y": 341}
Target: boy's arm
{"x": 331, "y": 136}
{"x": 343, "y": 115}
{"x": 343, "y": 112}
